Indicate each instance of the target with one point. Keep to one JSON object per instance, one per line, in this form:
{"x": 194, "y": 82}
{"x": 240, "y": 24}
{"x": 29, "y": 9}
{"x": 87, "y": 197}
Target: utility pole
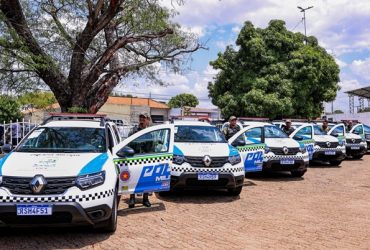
{"x": 304, "y": 19}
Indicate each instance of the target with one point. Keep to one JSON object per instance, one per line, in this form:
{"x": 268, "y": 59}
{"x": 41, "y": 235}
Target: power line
{"x": 297, "y": 24}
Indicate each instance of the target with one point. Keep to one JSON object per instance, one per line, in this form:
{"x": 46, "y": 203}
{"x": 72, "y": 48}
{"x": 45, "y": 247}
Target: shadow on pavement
{"x": 197, "y": 196}
{"x": 272, "y": 176}
{"x": 52, "y": 238}
{"x": 139, "y": 208}
{"x": 323, "y": 165}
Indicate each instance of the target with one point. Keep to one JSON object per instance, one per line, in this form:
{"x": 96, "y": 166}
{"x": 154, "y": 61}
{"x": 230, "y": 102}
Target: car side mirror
{"x": 7, "y": 148}
{"x": 238, "y": 143}
{"x": 298, "y": 138}
{"x": 126, "y": 152}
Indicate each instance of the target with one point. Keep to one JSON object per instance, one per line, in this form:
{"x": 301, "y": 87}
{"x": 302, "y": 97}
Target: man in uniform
{"x": 287, "y": 128}
{"x": 144, "y": 122}
{"x": 232, "y": 128}
{"x": 325, "y": 127}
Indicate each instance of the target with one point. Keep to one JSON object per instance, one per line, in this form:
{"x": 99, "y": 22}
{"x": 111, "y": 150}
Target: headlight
{"x": 267, "y": 150}
{"x": 90, "y": 180}
{"x": 363, "y": 140}
{"x": 1, "y": 180}
{"x": 178, "y": 159}
{"x": 341, "y": 143}
{"x": 235, "y": 159}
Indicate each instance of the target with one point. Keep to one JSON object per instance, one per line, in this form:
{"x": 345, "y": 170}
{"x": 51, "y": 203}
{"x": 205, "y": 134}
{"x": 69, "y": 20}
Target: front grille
{"x": 324, "y": 144}
{"x": 21, "y": 185}
{"x": 197, "y": 162}
{"x": 353, "y": 140}
{"x": 279, "y": 151}
{"x": 56, "y": 218}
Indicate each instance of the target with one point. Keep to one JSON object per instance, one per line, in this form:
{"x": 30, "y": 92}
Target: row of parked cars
{"x": 73, "y": 168}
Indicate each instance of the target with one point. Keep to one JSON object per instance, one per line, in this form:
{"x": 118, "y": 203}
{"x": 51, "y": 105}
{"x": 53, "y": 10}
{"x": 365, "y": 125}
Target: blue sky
{"x": 342, "y": 27}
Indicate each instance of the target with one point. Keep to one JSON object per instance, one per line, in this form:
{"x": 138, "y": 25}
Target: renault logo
{"x": 353, "y": 140}
{"x": 285, "y": 150}
{"x": 328, "y": 144}
{"x": 38, "y": 184}
{"x": 207, "y": 160}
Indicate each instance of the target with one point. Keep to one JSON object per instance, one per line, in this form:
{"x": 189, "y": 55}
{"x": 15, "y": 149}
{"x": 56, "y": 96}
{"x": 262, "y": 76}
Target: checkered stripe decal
{"x": 279, "y": 157}
{"x": 251, "y": 147}
{"x": 70, "y": 198}
{"x": 355, "y": 144}
{"x": 143, "y": 160}
{"x": 206, "y": 170}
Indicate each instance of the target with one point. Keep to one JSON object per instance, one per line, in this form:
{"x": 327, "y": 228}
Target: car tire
{"x": 110, "y": 225}
{"x": 357, "y": 157}
{"x": 298, "y": 173}
{"x": 335, "y": 163}
{"x": 235, "y": 191}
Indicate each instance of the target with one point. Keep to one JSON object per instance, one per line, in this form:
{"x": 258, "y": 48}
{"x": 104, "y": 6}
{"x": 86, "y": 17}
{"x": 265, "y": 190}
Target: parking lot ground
{"x": 328, "y": 208}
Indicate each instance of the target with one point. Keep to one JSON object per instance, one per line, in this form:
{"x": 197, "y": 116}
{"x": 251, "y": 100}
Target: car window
{"x": 116, "y": 134}
{"x": 64, "y": 139}
{"x": 253, "y": 135}
{"x": 318, "y": 131}
{"x": 157, "y": 141}
{"x": 367, "y": 129}
{"x": 305, "y": 132}
{"x": 274, "y": 132}
{"x": 339, "y": 131}
{"x": 201, "y": 134}
{"x": 359, "y": 130}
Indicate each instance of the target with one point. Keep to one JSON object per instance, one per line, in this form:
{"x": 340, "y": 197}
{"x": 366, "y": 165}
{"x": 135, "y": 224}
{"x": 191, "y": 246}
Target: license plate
{"x": 34, "y": 210}
{"x": 329, "y": 152}
{"x": 287, "y": 162}
{"x": 355, "y": 148}
{"x": 207, "y": 176}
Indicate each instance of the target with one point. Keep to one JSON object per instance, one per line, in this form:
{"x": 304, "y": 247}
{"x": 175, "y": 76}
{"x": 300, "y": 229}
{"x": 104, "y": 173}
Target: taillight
{"x": 125, "y": 175}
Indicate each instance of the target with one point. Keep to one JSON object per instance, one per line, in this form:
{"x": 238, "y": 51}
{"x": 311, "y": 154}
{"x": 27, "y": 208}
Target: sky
{"x": 341, "y": 26}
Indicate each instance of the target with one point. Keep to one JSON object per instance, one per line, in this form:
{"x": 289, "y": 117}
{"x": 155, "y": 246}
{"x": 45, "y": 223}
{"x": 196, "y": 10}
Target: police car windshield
{"x": 318, "y": 131}
{"x": 200, "y": 134}
{"x": 64, "y": 140}
{"x": 274, "y": 132}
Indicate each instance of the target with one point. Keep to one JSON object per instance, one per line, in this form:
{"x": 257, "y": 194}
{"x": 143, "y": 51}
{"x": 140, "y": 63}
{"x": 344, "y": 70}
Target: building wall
{"x": 160, "y": 112}
{"x": 116, "y": 111}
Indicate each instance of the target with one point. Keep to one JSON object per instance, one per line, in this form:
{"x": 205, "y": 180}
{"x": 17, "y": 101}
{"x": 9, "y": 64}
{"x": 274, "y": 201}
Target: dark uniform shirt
{"x": 229, "y": 132}
{"x": 288, "y": 131}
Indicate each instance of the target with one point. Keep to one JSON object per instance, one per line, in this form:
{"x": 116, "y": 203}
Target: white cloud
{"x": 197, "y": 30}
{"x": 361, "y": 68}
{"x": 236, "y": 29}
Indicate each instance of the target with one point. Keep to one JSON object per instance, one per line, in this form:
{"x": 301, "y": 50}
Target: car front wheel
{"x": 111, "y": 224}
{"x": 235, "y": 191}
{"x": 298, "y": 173}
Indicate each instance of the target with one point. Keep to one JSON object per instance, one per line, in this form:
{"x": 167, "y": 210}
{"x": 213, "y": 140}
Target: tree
{"x": 183, "y": 100}
{"x": 338, "y": 111}
{"x": 38, "y": 100}
{"x": 81, "y": 50}
{"x": 9, "y": 109}
{"x": 274, "y": 74}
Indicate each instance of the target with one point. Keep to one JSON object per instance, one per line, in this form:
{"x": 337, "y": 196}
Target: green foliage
{"x": 338, "y": 111}
{"x": 183, "y": 100}
{"x": 9, "y": 109}
{"x": 364, "y": 110}
{"x": 39, "y": 100}
{"x": 274, "y": 74}
{"x": 79, "y": 110}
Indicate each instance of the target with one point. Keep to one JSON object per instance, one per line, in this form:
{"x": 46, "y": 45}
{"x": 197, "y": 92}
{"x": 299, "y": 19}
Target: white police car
{"x": 363, "y": 131}
{"x": 320, "y": 146}
{"x": 203, "y": 159}
{"x": 281, "y": 153}
{"x": 356, "y": 146}
{"x": 72, "y": 169}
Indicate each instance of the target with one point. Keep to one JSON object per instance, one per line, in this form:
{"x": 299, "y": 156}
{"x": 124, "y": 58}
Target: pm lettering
{"x": 160, "y": 172}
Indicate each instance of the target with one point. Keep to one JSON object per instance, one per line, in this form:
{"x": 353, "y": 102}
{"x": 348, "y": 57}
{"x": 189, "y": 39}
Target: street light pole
{"x": 304, "y": 19}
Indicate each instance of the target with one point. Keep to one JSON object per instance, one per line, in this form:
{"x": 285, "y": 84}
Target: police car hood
{"x": 281, "y": 142}
{"x": 202, "y": 149}
{"x": 352, "y": 136}
{"x": 51, "y": 164}
{"x": 325, "y": 138}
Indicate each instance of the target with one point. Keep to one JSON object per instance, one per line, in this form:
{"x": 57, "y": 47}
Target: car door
{"x": 250, "y": 144}
{"x": 304, "y": 135}
{"x": 338, "y": 131}
{"x": 144, "y": 160}
{"x": 358, "y": 130}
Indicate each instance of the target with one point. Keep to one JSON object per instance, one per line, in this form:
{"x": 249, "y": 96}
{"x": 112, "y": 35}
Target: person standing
{"x": 232, "y": 128}
{"x": 325, "y": 127}
{"x": 287, "y": 128}
{"x": 144, "y": 122}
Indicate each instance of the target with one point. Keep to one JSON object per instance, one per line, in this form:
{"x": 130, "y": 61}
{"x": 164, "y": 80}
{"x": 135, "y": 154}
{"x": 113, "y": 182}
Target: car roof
{"x": 191, "y": 123}
{"x": 74, "y": 123}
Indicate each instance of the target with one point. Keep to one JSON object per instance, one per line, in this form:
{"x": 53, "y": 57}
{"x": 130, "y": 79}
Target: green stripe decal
{"x": 253, "y": 146}
{"x": 152, "y": 157}
{"x": 308, "y": 141}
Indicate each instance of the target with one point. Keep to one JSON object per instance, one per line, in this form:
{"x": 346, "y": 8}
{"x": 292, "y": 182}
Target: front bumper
{"x": 64, "y": 214}
{"x": 322, "y": 156}
{"x": 190, "y": 180}
{"x": 275, "y": 165}
{"x": 355, "y": 149}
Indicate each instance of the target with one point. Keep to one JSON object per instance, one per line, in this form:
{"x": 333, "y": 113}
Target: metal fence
{"x": 13, "y": 131}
